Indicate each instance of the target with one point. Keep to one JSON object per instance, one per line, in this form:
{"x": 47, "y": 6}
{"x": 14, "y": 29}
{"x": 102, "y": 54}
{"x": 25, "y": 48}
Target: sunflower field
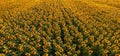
{"x": 59, "y": 28}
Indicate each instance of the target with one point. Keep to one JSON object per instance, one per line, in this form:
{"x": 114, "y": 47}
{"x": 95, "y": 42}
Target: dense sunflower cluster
{"x": 59, "y": 28}
{"x": 114, "y": 3}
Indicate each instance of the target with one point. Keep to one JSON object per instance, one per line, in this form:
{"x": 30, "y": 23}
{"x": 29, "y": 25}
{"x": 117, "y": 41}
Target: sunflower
{"x": 45, "y": 50}
{"x": 33, "y": 52}
{"x": 5, "y": 50}
{"x": 2, "y": 54}
{"x": 27, "y": 54}
{"x": 1, "y": 42}
{"x": 57, "y": 53}
{"x": 45, "y": 54}
{"x": 105, "y": 51}
{"x": 117, "y": 54}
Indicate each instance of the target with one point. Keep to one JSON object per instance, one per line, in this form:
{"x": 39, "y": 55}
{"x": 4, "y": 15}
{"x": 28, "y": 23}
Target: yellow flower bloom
{"x": 3, "y": 38}
{"x": 75, "y": 55}
{"x": 48, "y": 44}
{"x": 47, "y": 38}
{"x": 14, "y": 53}
{"x": 38, "y": 40}
{"x": 38, "y": 45}
{"x": 61, "y": 50}
{"x": 78, "y": 51}
{"x": 57, "y": 53}
{"x": 45, "y": 54}
{"x": 116, "y": 41}
{"x": 1, "y": 42}
{"x": 36, "y": 36}
{"x": 108, "y": 47}
{"x": 44, "y": 47}
{"x": 33, "y": 49}
{"x": 27, "y": 54}
{"x": 57, "y": 46}
{"x": 5, "y": 47}
{"x": 2, "y": 54}
{"x": 90, "y": 52}
{"x": 5, "y": 50}
{"x": 58, "y": 38}
{"x": 45, "y": 50}
{"x": 45, "y": 42}
{"x": 105, "y": 54}
{"x": 20, "y": 47}
{"x": 117, "y": 54}
{"x": 69, "y": 53}
{"x": 106, "y": 51}
{"x": 33, "y": 52}
{"x": 31, "y": 43}
{"x": 119, "y": 44}
{"x": 27, "y": 39}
